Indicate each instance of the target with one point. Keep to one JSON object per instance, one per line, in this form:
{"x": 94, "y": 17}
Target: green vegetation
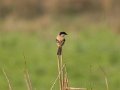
{"x": 27, "y": 33}
{"x": 83, "y": 52}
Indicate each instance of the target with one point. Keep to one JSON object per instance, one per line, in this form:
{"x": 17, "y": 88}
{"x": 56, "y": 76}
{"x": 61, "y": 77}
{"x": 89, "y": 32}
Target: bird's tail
{"x": 59, "y": 52}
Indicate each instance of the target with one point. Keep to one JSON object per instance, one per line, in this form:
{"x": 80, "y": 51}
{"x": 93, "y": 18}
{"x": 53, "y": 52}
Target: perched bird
{"x": 60, "y": 39}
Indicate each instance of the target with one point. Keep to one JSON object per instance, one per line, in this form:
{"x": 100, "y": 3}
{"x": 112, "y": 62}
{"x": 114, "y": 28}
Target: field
{"x": 86, "y": 49}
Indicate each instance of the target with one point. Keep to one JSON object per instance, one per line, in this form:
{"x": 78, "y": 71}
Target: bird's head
{"x": 63, "y": 34}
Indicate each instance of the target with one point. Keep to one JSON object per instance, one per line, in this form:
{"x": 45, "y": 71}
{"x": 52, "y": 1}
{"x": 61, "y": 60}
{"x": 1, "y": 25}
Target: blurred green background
{"x": 29, "y": 28}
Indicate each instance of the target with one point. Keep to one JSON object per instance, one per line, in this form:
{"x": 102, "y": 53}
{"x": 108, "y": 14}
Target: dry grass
{"x": 8, "y": 81}
{"x": 63, "y": 78}
{"x": 56, "y": 79}
{"x": 27, "y": 78}
{"x": 105, "y": 77}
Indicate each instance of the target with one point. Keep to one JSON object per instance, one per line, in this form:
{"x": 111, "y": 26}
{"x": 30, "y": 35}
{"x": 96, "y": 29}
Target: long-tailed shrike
{"x": 60, "y": 39}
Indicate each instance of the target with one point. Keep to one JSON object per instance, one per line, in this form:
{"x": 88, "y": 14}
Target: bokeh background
{"x": 29, "y": 28}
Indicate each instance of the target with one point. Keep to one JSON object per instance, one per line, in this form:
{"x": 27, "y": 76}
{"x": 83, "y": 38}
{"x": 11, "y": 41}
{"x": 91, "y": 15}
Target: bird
{"x": 60, "y": 40}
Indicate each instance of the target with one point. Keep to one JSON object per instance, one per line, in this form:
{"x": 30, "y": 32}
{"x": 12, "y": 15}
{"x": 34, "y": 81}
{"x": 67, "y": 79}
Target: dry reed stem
{"x": 106, "y": 81}
{"x": 65, "y": 79}
{"x": 72, "y": 88}
{"x": 105, "y": 76}
{"x": 25, "y": 75}
{"x": 28, "y": 88}
{"x": 56, "y": 78}
{"x": 27, "y": 78}
{"x": 65, "y": 83}
{"x": 9, "y": 84}
{"x": 30, "y": 83}
{"x": 60, "y": 71}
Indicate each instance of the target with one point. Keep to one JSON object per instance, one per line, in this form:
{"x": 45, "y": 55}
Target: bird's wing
{"x": 60, "y": 43}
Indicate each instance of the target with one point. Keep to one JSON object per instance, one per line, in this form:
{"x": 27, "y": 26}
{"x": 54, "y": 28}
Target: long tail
{"x": 59, "y": 52}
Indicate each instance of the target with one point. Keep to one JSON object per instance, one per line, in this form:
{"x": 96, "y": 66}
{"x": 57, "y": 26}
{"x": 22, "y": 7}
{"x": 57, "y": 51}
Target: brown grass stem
{"x": 27, "y": 84}
{"x": 105, "y": 77}
{"x": 56, "y": 78}
{"x": 27, "y": 78}
{"x": 72, "y": 88}
{"x": 9, "y": 84}
{"x": 60, "y": 71}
